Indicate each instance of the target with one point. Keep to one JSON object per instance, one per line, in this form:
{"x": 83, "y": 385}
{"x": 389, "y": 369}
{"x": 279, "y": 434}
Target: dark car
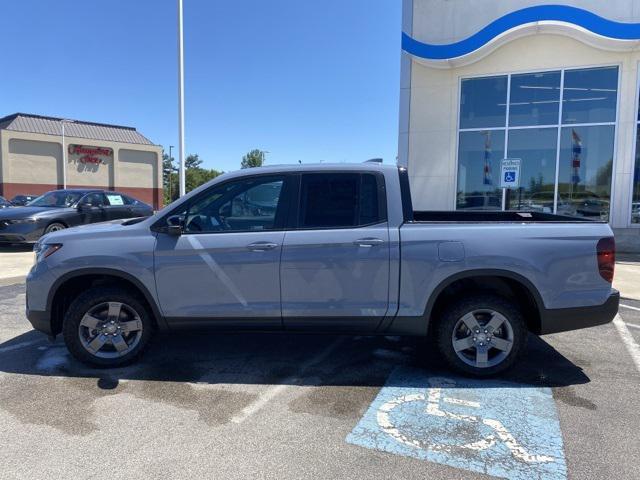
{"x": 61, "y": 209}
{"x": 4, "y": 203}
{"x": 22, "y": 200}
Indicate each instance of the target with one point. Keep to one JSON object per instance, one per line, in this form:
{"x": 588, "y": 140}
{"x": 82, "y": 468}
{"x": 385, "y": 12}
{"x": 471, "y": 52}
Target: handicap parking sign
{"x": 510, "y": 168}
{"x": 493, "y": 427}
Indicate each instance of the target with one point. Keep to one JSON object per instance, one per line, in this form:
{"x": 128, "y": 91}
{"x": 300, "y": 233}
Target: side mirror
{"x": 175, "y": 224}
{"x": 85, "y": 207}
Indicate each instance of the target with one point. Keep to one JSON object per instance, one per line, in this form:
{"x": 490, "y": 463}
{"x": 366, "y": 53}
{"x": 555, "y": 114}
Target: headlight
{"x": 22, "y": 220}
{"x": 43, "y": 250}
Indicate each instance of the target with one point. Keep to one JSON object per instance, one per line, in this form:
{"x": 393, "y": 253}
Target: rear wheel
{"x": 481, "y": 336}
{"x": 107, "y": 327}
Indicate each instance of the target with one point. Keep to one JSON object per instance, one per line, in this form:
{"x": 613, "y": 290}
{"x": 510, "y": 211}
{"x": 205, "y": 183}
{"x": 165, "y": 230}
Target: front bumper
{"x": 21, "y": 232}
{"x": 566, "y": 319}
{"x": 40, "y": 321}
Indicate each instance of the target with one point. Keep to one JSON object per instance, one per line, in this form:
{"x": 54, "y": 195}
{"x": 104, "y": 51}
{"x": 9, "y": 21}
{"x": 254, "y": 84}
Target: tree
{"x": 195, "y": 176}
{"x": 255, "y": 158}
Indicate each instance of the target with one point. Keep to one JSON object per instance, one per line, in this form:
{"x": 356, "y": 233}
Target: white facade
{"x": 545, "y": 43}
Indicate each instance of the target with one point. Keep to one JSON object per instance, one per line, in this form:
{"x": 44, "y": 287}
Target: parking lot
{"x": 285, "y": 406}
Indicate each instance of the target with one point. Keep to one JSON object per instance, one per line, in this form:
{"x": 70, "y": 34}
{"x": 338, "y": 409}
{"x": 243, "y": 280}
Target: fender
{"x": 419, "y": 324}
{"x": 483, "y": 272}
{"x": 162, "y": 324}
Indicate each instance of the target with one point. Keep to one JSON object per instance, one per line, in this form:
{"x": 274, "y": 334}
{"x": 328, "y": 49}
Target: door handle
{"x": 368, "y": 242}
{"x": 262, "y": 246}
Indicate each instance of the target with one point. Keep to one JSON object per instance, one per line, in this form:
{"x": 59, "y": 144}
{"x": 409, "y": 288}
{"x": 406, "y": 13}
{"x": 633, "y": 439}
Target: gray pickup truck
{"x": 324, "y": 248}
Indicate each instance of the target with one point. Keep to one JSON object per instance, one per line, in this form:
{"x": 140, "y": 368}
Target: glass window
{"x": 586, "y": 162}
{"x": 590, "y": 95}
{"x": 245, "y": 205}
{"x": 534, "y": 133}
{"x": 536, "y": 147}
{"x": 57, "y": 199}
{"x": 479, "y": 157}
{"x": 635, "y": 202}
{"x": 95, "y": 199}
{"x": 483, "y": 102}
{"x": 333, "y": 200}
{"x": 534, "y": 99}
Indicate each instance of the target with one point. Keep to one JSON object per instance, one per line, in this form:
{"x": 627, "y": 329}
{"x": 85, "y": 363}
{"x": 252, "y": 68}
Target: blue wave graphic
{"x": 562, "y": 13}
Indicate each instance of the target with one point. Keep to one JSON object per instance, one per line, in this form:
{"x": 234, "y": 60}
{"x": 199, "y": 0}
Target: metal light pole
{"x": 170, "y": 171}
{"x": 64, "y": 155}
{"x": 181, "y": 100}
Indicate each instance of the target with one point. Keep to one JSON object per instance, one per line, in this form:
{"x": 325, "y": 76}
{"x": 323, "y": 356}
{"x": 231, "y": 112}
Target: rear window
{"x": 339, "y": 200}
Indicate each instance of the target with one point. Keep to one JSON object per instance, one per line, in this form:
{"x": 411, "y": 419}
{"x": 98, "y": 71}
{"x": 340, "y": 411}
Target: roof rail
{"x": 373, "y": 160}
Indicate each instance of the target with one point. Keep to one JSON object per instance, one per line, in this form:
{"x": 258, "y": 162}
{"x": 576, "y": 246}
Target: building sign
{"x": 510, "y": 173}
{"x": 90, "y": 155}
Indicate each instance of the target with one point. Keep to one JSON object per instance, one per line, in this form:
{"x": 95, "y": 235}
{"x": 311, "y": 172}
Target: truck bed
{"x": 475, "y": 216}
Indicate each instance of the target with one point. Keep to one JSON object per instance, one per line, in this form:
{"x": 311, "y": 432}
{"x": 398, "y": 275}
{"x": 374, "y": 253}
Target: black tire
{"x": 449, "y": 323}
{"x": 95, "y": 298}
{"x": 54, "y": 227}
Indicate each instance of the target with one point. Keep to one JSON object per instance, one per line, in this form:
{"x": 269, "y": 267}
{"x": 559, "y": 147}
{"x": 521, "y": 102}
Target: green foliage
{"x": 255, "y": 158}
{"x": 195, "y": 176}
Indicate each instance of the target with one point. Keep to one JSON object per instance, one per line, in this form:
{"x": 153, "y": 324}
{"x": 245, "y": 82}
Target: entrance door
{"x": 225, "y": 265}
{"x": 335, "y": 264}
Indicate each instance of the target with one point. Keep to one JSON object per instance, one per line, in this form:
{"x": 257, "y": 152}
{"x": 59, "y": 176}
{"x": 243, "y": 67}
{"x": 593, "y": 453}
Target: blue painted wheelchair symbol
{"x": 492, "y": 427}
{"x": 509, "y": 177}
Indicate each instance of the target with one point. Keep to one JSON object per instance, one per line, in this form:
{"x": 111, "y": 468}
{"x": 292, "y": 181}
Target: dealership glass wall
{"x": 561, "y": 124}
{"x": 635, "y": 203}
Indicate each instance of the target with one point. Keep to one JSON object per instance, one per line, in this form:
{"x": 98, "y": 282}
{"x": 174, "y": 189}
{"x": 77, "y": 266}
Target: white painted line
{"x": 630, "y": 307}
{"x": 632, "y": 325}
{"x": 459, "y": 401}
{"x": 274, "y": 391}
{"x": 627, "y": 339}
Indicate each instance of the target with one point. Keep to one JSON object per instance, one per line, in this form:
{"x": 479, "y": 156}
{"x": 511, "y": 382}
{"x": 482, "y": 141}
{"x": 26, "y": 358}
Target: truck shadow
{"x": 268, "y": 359}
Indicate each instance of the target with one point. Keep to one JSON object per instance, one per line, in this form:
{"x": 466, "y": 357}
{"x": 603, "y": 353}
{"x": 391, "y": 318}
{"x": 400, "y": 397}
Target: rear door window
{"x": 339, "y": 200}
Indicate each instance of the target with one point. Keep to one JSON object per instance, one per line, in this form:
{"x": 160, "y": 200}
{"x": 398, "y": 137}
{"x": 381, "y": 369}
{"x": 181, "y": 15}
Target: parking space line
{"x": 628, "y": 340}
{"x": 630, "y": 307}
{"x": 274, "y": 391}
{"x": 16, "y": 346}
{"x": 632, "y": 325}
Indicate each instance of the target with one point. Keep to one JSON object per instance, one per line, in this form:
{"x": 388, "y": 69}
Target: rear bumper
{"x": 566, "y": 319}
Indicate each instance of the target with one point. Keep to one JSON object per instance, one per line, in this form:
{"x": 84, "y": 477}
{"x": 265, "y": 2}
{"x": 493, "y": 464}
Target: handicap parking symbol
{"x": 509, "y": 177}
{"x": 492, "y": 427}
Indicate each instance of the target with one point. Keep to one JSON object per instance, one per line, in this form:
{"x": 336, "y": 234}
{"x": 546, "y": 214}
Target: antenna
{"x": 373, "y": 160}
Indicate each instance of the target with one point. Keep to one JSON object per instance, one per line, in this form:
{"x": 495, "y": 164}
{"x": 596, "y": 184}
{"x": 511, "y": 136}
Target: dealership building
{"x": 553, "y": 87}
{"x": 34, "y": 151}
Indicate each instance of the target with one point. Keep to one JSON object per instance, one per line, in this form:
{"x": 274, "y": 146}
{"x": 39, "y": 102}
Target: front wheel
{"x": 107, "y": 327}
{"x": 482, "y": 335}
{"x": 54, "y": 227}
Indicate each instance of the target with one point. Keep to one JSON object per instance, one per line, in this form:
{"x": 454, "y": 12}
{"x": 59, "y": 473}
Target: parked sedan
{"x": 60, "y": 209}
{"x": 4, "y": 203}
{"x": 22, "y": 200}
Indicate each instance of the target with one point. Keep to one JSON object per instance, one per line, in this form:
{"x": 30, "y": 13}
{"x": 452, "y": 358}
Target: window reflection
{"x": 479, "y": 155}
{"x": 483, "y": 102}
{"x": 536, "y": 147}
{"x": 586, "y": 161}
{"x": 534, "y": 99}
{"x": 635, "y": 203}
{"x": 590, "y": 95}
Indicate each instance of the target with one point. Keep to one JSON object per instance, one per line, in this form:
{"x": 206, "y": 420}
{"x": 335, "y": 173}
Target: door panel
{"x": 220, "y": 275}
{"x": 340, "y": 277}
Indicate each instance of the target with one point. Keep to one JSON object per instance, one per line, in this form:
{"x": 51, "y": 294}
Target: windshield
{"x": 3, "y": 201}
{"x": 57, "y": 199}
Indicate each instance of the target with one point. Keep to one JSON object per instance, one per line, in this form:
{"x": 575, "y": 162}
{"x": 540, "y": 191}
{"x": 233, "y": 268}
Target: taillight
{"x": 607, "y": 258}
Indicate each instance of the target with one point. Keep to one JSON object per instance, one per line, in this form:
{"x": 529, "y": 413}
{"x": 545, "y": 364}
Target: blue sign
{"x": 509, "y": 177}
{"x": 493, "y": 427}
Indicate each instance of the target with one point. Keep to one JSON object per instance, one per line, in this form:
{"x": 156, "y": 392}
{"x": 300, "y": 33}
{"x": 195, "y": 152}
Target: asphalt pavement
{"x": 313, "y": 406}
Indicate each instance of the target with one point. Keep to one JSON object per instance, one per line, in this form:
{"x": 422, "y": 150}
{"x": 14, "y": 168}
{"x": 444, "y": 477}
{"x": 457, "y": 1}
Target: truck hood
{"x": 91, "y": 230}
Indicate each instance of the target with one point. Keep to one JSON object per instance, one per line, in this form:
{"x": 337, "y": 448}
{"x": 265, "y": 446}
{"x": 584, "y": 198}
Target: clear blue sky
{"x": 309, "y": 80}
